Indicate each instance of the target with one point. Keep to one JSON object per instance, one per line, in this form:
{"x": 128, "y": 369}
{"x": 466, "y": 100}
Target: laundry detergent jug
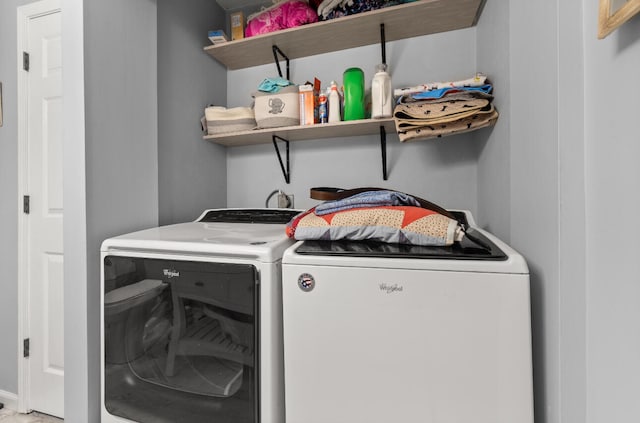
{"x": 353, "y": 82}
{"x": 381, "y": 100}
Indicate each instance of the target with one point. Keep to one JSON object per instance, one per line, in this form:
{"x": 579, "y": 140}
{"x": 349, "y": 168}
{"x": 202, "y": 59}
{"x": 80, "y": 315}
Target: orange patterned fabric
{"x": 393, "y": 224}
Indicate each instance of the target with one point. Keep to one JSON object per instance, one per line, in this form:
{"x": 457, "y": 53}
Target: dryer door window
{"x": 180, "y": 340}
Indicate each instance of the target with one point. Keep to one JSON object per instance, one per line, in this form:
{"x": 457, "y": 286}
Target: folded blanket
{"x": 424, "y": 110}
{"x": 441, "y": 92}
{"x": 367, "y": 199}
{"x": 390, "y": 224}
{"x": 478, "y": 80}
{"x": 448, "y": 96}
{"x": 480, "y": 119}
{"x": 222, "y": 120}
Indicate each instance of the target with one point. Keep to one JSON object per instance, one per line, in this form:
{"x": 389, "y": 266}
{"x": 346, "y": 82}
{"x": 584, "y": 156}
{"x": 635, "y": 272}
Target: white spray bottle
{"x": 334, "y": 103}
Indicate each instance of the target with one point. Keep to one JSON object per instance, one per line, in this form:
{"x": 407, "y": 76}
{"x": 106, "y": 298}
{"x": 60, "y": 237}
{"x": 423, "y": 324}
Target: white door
{"x": 42, "y": 222}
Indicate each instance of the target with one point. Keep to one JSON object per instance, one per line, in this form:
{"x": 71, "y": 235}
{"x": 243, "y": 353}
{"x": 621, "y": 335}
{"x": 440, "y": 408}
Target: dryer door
{"x": 382, "y": 345}
{"x": 180, "y": 340}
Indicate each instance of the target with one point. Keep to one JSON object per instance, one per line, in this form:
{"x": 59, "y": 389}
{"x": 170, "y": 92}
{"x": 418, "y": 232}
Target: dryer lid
{"x": 241, "y": 233}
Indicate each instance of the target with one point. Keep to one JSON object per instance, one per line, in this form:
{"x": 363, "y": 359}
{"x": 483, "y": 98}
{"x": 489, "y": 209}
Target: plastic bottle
{"x": 381, "y": 96}
{"x": 334, "y": 103}
{"x": 353, "y": 81}
{"x": 323, "y": 109}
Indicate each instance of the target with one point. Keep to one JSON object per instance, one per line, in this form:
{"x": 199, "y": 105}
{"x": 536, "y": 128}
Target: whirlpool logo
{"x": 388, "y": 288}
{"x": 170, "y": 273}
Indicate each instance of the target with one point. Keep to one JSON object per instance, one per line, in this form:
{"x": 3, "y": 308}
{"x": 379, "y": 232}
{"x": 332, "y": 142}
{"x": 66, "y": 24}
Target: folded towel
{"x": 273, "y": 85}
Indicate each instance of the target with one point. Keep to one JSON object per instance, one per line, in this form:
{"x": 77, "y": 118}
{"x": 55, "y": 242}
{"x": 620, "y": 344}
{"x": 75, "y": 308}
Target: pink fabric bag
{"x": 287, "y": 14}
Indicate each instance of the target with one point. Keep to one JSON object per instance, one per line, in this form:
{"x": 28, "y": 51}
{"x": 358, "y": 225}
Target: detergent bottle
{"x": 353, "y": 85}
{"x": 334, "y": 103}
{"x": 381, "y": 93}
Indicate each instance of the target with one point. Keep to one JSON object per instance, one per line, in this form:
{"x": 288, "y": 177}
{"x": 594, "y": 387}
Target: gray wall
{"x": 612, "y": 176}
{"x": 443, "y": 170}
{"x": 121, "y": 159}
{"x": 571, "y": 333}
{"x": 494, "y": 179}
{"x": 534, "y": 162}
{"x": 191, "y": 173}
{"x": 9, "y": 195}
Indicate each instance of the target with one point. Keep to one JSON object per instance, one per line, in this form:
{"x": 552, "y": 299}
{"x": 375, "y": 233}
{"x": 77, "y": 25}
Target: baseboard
{"x": 9, "y": 400}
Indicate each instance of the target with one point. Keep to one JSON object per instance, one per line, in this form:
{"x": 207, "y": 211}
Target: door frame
{"x": 25, "y": 14}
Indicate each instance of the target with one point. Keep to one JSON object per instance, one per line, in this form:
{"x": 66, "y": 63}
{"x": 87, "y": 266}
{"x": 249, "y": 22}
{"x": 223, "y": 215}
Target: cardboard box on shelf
{"x": 218, "y": 36}
{"x": 306, "y": 104}
{"x": 237, "y": 25}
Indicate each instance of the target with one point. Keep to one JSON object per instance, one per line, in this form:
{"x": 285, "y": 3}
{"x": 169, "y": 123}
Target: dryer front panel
{"x": 180, "y": 340}
{"x": 381, "y": 345}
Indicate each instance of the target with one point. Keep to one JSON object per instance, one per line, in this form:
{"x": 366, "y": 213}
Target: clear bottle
{"x": 334, "y": 103}
{"x": 381, "y": 93}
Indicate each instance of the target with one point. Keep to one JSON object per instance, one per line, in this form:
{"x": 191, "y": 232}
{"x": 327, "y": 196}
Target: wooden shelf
{"x": 403, "y": 21}
{"x": 308, "y": 132}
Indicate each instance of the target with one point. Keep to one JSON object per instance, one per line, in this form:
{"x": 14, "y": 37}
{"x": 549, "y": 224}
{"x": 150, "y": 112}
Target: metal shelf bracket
{"x": 285, "y": 172}
{"x": 383, "y": 44}
{"x": 277, "y": 51}
{"x": 383, "y": 149}
{"x": 383, "y": 133}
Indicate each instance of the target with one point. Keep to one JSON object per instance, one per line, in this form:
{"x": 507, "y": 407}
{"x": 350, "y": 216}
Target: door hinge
{"x": 25, "y": 347}
{"x": 26, "y": 201}
{"x": 25, "y": 61}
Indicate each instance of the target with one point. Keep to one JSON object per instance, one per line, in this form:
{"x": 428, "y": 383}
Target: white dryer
{"x": 382, "y": 333}
{"x": 191, "y": 320}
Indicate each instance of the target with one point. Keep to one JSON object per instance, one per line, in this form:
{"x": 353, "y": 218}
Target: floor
{"x": 10, "y": 416}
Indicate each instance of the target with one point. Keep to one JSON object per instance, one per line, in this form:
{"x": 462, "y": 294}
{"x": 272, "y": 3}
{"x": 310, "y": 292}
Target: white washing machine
{"x": 191, "y": 318}
{"x": 382, "y": 333}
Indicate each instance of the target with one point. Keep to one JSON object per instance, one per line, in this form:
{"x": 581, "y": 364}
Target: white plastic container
{"x": 381, "y": 93}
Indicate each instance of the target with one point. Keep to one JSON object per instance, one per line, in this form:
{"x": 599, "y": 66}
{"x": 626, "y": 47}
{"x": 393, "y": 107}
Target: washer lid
{"x": 482, "y": 249}
{"x": 467, "y": 257}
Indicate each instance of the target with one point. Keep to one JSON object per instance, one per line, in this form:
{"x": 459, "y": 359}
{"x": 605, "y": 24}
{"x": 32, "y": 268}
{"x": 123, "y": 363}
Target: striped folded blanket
{"x": 222, "y": 120}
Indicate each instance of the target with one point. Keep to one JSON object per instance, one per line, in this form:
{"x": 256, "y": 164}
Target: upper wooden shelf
{"x": 403, "y": 21}
{"x": 308, "y": 132}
